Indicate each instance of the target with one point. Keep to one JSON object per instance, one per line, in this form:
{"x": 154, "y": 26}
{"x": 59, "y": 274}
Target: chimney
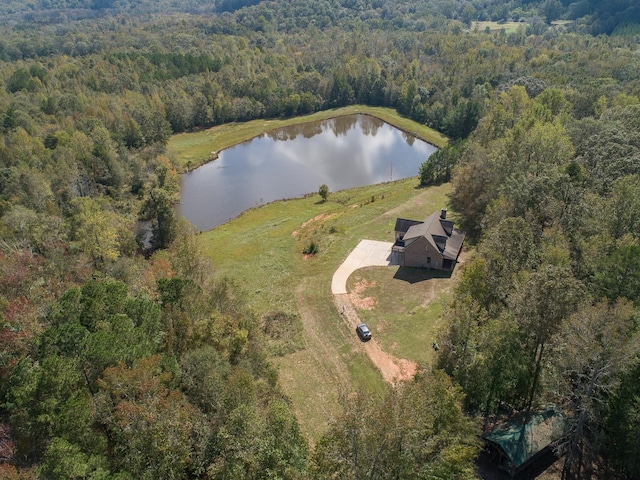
{"x": 443, "y": 214}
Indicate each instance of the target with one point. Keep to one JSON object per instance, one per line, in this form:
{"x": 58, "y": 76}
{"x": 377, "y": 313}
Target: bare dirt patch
{"x": 393, "y": 369}
{"x": 360, "y": 302}
{"x": 317, "y": 218}
{"x": 407, "y": 368}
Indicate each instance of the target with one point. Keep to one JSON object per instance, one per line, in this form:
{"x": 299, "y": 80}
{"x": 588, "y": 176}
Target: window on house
{"x": 428, "y": 260}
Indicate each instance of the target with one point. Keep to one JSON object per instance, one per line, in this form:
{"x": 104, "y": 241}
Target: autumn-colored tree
{"x": 96, "y": 231}
{"x": 155, "y": 430}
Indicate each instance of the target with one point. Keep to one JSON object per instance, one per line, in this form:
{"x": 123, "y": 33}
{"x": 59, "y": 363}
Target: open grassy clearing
{"x": 403, "y": 307}
{"x": 508, "y": 27}
{"x": 189, "y": 150}
{"x": 263, "y": 246}
{"x": 262, "y": 250}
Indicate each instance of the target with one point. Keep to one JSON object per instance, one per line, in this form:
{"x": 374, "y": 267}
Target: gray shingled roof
{"x": 434, "y": 229}
{"x": 403, "y": 225}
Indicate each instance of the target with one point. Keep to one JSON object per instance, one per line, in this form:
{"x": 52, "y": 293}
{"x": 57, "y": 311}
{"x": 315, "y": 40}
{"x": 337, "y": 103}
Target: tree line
{"x": 547, "y": 310}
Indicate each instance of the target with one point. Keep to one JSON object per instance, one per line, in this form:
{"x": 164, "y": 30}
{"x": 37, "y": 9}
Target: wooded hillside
{"x": 123, "y": 358}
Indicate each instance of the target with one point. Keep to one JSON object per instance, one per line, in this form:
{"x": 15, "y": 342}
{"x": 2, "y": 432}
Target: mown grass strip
{"x": 190, "y": 150}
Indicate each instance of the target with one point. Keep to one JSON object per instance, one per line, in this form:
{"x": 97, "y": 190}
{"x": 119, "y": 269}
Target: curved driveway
{"x": 366, "y": 254}
{"x": 369, "y": 253}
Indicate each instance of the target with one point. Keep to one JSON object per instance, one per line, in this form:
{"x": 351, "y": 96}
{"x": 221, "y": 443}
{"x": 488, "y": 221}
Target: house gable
{"x": 447, "y": 226}
{"x": 402, "y": 227}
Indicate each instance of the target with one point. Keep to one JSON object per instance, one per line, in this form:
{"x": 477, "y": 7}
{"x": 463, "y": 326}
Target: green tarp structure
{"x": 519, "y": 442}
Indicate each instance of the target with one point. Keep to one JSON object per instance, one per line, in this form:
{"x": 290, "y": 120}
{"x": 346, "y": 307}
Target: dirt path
{"x": 324, "y": 352}
{"x": 314, "y": 377}
{"x": 393, "y": 369}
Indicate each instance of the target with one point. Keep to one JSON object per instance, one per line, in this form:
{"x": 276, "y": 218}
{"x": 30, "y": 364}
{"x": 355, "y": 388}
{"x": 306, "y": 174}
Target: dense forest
{"x": 123, "y": 357}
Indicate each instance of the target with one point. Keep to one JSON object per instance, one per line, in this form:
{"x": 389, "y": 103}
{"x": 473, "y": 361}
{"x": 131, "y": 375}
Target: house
{"x": 433, "y": 243}
{"x": 518, "y": 443}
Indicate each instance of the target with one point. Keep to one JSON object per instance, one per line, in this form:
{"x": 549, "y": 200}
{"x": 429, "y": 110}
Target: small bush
{"x": 283, "y": 332}
{"x": 323, "y": 191}
{"x": 311, "y": 248}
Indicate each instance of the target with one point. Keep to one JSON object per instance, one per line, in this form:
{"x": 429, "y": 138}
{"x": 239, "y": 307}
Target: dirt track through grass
{"x": 319, "y": 363}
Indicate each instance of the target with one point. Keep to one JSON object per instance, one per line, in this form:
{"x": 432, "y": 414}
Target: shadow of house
{"x": 416, "y": 275}
{"x": 517, "y": 444}
{"x": 433, "y": 243}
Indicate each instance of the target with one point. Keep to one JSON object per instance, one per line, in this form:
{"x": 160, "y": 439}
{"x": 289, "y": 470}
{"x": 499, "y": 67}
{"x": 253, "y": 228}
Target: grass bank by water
{"x": 190, "y": 150}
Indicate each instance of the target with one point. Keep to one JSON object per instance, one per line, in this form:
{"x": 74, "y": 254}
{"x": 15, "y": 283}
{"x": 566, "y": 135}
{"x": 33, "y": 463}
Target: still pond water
{"x": 343, "y": 152}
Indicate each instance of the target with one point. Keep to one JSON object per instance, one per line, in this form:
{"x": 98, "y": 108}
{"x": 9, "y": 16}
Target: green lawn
{"x": 508, "y": 27}
{"x": 403, "y": 308}
{"x": 262, "y": 249}
{"x": 264, "y": 245}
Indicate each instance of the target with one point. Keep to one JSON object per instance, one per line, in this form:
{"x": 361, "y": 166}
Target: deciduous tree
{"x": 323, "y": 191}
{"x": 542, "y": 301}
{"x": 155, "y": 431}
{"x": 599, "y": 343}
{"x": 417, "y": 431}
{"x": 159, "y": 208}
{"x": 95, "y": 230}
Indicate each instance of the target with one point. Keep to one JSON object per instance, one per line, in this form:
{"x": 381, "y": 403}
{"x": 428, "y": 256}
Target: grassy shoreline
{"x": 190, "y": 150}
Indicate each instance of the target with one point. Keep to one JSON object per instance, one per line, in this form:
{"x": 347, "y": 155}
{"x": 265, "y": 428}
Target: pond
{"x": 343, "y": 152}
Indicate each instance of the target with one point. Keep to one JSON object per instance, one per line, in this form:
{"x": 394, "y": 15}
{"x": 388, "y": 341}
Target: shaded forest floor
{"x": 547, "y": 467}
